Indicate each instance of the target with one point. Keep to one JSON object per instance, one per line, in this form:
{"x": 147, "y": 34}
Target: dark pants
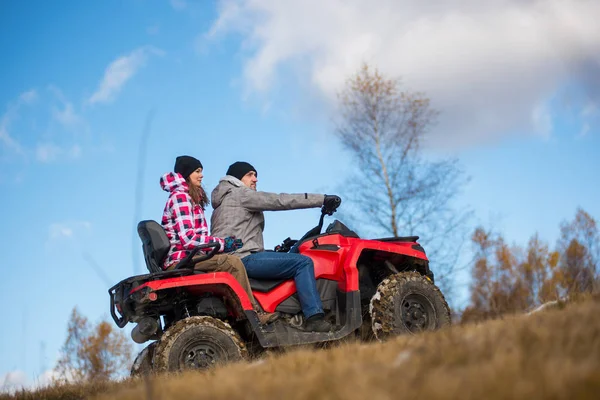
{"x": 272, "y": 265}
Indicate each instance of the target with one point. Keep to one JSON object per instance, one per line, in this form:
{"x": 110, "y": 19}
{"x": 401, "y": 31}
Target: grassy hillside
{"x": 553, "y": 354}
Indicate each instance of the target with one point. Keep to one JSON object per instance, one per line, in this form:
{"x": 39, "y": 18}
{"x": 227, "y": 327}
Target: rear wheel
{"x": 407, "y": 303}
{"x": 143, "y": 362}
{"x": 198, "y": 343}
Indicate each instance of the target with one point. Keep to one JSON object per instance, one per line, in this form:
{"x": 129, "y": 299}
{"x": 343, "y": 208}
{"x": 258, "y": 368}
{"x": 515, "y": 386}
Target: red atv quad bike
{"x": 371, "y": 288}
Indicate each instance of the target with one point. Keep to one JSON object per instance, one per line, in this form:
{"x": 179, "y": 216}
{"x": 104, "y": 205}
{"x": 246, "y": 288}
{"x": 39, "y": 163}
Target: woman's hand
{"x": 232, "y": 244}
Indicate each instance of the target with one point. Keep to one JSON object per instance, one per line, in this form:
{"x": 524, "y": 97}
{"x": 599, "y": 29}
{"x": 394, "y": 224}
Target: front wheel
{"x": 143, "y": 362}
{"x": 407, "y": 303}
{"x": 198, "y": 343}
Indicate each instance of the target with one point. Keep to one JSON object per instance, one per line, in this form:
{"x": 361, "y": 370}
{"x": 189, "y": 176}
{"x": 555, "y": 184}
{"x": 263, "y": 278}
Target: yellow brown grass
{"x": 68, "y": 391}
{"x": 552, "y": 354}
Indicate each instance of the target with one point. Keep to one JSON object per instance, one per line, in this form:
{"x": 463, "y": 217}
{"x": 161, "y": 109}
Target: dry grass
{"x": 552, "y": 354}
{"x": 69, "y": 391}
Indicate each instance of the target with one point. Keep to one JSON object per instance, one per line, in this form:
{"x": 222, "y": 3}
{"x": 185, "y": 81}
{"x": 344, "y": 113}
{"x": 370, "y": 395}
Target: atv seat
{"x": 155, "y": 244}
{"x": 265, "y": 285}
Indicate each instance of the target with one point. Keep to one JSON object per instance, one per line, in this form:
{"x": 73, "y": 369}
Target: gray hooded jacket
{"x": 238, "y": 211}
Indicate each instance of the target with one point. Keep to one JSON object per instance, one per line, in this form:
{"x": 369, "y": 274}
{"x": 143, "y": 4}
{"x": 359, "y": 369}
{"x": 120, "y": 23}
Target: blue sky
{"x": 235, "y": 80}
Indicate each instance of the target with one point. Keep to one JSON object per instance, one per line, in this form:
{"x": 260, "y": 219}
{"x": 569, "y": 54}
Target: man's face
{"x": 250, "y": 180}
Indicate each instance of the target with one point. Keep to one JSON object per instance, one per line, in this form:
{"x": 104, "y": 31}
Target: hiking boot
{"x": 266, "y": 318}
{"x": 317, "y": 323}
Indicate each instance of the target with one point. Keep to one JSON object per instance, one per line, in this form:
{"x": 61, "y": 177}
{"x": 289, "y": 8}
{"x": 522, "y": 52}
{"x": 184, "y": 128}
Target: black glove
{"x": 331, "y": 203}
{"x": 232, "y": 244}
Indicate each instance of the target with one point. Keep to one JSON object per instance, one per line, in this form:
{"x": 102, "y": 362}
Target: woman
{"x": 184, "y": 222}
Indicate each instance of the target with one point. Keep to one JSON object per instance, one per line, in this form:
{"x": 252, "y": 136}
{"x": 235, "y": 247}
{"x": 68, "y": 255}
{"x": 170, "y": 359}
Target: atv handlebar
{"x": 290, "y": 245}
{"x": 329, "y": 209}
{"x": 187, "y": 261}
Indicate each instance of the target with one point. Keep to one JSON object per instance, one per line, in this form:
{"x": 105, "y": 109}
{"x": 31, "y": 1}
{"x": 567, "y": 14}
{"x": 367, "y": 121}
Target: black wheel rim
{"x": 201, "y": 354}
{"x": 417, "y": 313}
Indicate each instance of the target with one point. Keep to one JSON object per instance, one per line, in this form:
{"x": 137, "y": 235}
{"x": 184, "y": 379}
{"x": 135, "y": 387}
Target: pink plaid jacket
{"x": 183, "y": 221}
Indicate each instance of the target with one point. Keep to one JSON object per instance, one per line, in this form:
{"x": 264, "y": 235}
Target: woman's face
{"x": 196, "y": 178}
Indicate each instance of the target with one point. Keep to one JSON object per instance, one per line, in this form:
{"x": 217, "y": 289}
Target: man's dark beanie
{"x": 239, "y": 169}
{"x": 185, "y": 165}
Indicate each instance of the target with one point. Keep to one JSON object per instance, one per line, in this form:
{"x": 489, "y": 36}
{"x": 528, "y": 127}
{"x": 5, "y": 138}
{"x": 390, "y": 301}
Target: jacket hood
{"x": 173, "y": 182}
{"x": 226, "y": 184}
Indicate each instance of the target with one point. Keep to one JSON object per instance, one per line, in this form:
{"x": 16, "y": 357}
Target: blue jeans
{"x": 273, "y": 265}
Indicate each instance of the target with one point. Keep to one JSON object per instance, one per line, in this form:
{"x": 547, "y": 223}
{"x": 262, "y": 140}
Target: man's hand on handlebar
{"x": 331, "y": 203}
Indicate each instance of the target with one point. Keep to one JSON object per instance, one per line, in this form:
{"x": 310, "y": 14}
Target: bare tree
{"x": 539, "y": 273}
{"x": 395, "y": 190}
{"x": 91, "y": 353}
{"x": 579, "y": 246}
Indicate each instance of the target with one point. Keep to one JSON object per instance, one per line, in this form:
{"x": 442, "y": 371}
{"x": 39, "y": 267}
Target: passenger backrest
{"x": 154, "y": 243}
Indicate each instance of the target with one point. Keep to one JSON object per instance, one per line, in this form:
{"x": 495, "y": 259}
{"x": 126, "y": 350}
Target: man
{"x": 238, "y": 211}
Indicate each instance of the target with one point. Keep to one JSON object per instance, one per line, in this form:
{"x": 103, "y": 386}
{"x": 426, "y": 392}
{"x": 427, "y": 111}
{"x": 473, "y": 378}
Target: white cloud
{"x": 13, "y": 381}
{"x": 47, "y": 152}
{"x": 43, "y": 134}
{"x": 29, "y": 97}
{"x": 486, "y": 65}
{"x": 585, "y": 129}
{"x": 153, "y": 29}
{"x": 589, "y": 117}
{"x": 12, "y": 113}
{"x": 46, "y": 378}
{"x": 17, "y": 380}
{"x": 68, "y": 117}
{"x": 119, "y": 72}
{"x": 60, "y": 231}
{"x": 178, "y": 4}
{"x": 5, "y": 138}
{"x": 51, "y": 152}
{"x": 68, "y": 229}
{"x": 75, "y": 151}
{"x": 590, "y": 109}
{"x": 542, "y": 120}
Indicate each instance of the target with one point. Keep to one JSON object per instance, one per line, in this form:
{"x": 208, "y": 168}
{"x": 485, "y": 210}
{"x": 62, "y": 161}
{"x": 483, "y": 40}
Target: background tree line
{"x": 510, "y": 278}
{"x": 93, "y": 352}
